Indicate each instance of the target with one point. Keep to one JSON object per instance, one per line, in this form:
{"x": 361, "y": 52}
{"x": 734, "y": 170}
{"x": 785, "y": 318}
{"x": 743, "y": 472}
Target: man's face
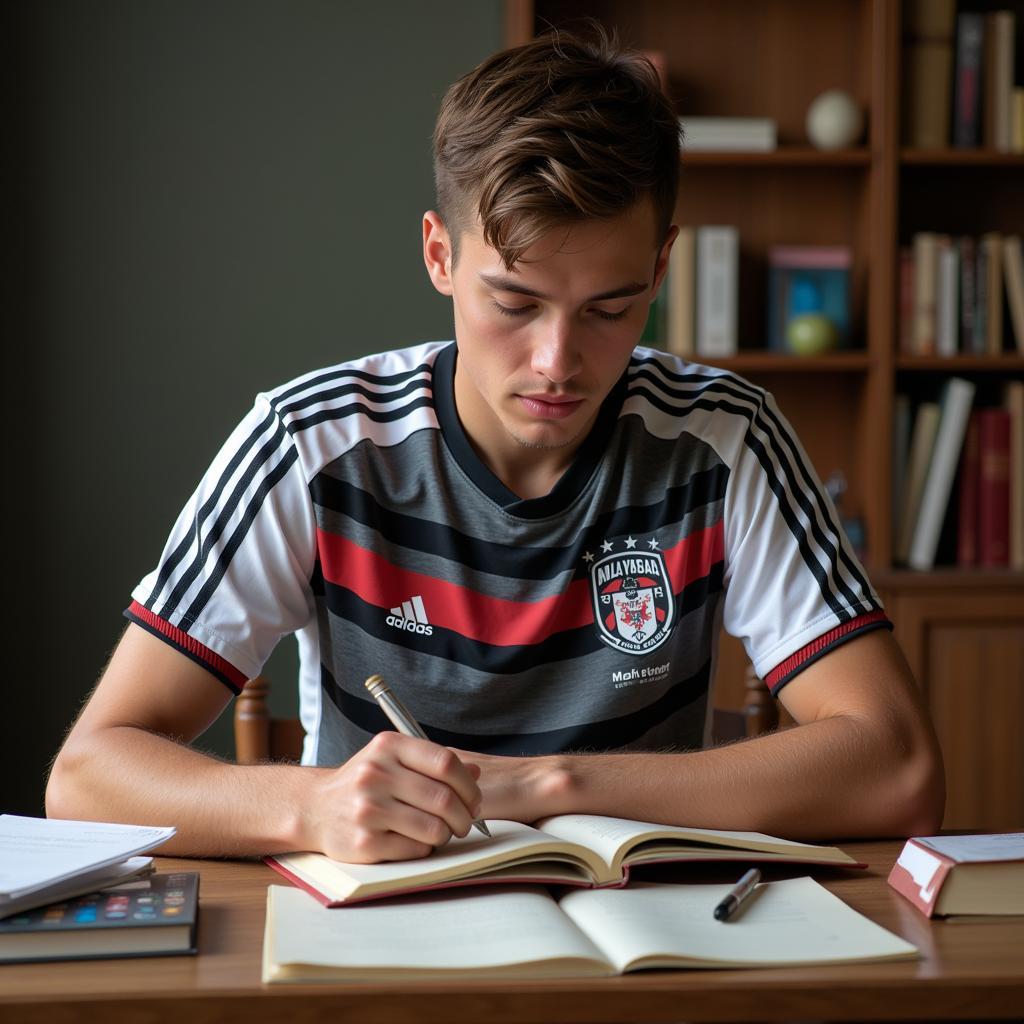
{"x": 540, "y": 347}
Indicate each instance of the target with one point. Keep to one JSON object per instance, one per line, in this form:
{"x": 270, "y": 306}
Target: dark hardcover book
{"x": 994, "y": 488}
{"x": 981, "y": 275}
{"x": 970, "y": 466}
{"x": 968, "y": 293}
{"x": 970, "y": 34}
{"x": 153, "y": 917}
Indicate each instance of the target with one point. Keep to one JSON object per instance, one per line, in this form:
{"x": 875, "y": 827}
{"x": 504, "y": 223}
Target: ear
{"x": 661, "y": 264}
{"x": 437, "y": 252}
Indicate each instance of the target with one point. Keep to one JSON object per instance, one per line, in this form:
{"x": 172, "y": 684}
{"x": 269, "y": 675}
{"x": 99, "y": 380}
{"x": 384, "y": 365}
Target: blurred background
{"x": 208, "y": 199}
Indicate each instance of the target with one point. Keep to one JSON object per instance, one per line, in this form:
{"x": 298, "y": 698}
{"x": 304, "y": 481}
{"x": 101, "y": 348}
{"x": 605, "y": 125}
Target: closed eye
{"x": 523, "y": 310}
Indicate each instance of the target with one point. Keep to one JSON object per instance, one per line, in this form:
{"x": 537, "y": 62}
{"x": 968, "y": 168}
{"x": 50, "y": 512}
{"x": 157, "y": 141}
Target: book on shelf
{"x": 927, "y": 72}
{"x": 528, "y": 933}
{"x": 728, "y": 134}
{"x": 958, "y": 78}
{"x": 1014, "y": 404}
{"x": 922, "y": 441}
{"x": 967, "y": 498}
{"x": 43, "y": 859}
{"x": 947, "y": 311}
{"x": 1013, "y": 273}
{"x": 808, "y": 279}
{"x": 717, "y": 290}
{"x": 953, "y": 291}
{"x": 967, "y": 251}
{"x": 992, "y": 255}
{"x": 999, "y": 57}
{"x": 570, "y": 849}
{"x": 993, "y": 495}
{"x": 954, "y": 410}
{"x": 155, "y": 916}
{"x": 925, "y": 247}
{"x": 682, "y": 294}
{"x": 970, "y": 874}
{"x": 970, "y": 36}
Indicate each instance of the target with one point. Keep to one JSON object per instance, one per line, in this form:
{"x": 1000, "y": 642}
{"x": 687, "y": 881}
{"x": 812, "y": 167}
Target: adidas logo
{"x": 412, "y": 617}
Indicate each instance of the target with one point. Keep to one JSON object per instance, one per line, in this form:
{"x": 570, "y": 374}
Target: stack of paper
{"x": 44, "y": 860}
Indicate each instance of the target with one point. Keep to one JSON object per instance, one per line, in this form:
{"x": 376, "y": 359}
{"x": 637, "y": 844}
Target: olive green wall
{"x": 213, "y": 196}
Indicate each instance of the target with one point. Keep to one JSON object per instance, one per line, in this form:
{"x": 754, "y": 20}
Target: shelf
{"x": 771, "y": 362}
{"x": 960, "y": 158}
{"x": 946, "y": 576}
{"x": 786, "y": 156}
{"x": 974, "y": 364}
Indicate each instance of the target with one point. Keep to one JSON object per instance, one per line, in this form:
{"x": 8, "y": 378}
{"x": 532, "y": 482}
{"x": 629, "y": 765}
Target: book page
{"x": 35, "y": 852}
{"x": 613, "y": 838}
{"x": 977, "y": 848}
{"x": 796, "y": 921}
{"x": 511, "y": 843}
{"x": 487, "y": 932}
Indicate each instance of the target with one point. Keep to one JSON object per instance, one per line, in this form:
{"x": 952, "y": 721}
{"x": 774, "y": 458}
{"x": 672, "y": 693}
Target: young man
{"x": 534, "y": 533}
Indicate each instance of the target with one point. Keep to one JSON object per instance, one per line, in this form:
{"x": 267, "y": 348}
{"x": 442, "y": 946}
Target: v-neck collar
{"x": 569, "y": 485}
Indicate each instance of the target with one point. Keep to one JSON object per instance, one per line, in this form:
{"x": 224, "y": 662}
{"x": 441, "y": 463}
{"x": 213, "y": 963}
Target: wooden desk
{"x": 968, "y": 971}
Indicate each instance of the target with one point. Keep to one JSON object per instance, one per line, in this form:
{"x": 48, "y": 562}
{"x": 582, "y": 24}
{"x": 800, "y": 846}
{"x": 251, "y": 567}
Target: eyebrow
{"x": 508, "y": 284}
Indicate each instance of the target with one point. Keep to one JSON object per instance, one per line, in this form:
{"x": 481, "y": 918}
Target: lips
{"x": 550, "y": 407}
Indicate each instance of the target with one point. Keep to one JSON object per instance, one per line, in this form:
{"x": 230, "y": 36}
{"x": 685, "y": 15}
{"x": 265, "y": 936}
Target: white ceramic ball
{"x": 834, "y": 120}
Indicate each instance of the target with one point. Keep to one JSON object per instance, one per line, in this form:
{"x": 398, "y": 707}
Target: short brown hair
{"x": 561, "y": 129}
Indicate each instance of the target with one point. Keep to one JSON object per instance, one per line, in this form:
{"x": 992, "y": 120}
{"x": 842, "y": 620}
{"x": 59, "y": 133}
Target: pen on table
{"x": 400, "y": 718}
{"x": 737, "y": 894}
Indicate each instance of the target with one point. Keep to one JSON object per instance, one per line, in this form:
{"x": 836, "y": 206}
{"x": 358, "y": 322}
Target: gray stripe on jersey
{"x": 461, "y": 699}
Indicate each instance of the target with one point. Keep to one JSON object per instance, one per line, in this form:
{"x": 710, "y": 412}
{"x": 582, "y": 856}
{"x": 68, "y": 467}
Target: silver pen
{"x": 737, "y": 894}
{"x": 400, "y": 718}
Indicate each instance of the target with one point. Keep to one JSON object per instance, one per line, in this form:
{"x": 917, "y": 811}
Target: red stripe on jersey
{"x": 818, "y": 647}
{"x": 692, "y": 558}
{"x": 189, "y": 643}
{"x": 498, "y": 621}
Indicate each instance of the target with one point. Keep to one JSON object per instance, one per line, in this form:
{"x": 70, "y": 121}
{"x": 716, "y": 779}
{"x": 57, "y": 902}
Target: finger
{"x": 435, "y": 799}
{"x": 443, "y": 765}
{"x": 372, "y": 847}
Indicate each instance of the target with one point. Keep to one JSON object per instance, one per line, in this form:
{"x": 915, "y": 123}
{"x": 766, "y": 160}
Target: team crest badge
{"x": 633, "y": 602}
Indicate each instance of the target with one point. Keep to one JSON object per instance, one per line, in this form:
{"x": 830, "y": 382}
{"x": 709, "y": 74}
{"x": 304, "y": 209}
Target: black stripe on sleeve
{"x": 778, "y": 436}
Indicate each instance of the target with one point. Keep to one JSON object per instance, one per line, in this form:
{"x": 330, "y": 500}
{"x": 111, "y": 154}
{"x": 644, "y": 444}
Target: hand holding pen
{"x": 400, "y": 718}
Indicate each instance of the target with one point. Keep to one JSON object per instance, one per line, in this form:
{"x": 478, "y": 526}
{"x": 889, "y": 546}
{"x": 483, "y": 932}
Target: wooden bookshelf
{"x": 771, "y": 59}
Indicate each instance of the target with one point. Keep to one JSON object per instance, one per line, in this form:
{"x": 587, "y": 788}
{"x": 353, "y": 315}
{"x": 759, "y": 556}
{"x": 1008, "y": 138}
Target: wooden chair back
{"x": 259, "y": 737}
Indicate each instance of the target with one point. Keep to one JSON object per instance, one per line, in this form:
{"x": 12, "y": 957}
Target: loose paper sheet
{"x": 36, "y": 852}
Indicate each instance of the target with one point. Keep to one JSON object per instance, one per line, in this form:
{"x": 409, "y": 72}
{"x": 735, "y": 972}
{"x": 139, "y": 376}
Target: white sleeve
{"x": 234, "y": 576}
{"x": 793, "y": 586}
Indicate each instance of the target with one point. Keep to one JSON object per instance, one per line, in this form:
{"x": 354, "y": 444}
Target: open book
{"x": 511, "y": 932}
{"x": 569, "y": 849}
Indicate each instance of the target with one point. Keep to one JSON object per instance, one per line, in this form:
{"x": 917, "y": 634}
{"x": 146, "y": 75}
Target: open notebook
{"x": 508, "y": 932}
{"x": 570, "y": 849}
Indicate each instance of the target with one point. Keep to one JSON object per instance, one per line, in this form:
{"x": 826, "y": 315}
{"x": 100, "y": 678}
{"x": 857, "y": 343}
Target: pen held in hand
{"x": 400, "y": 718}
{"x": 737, "y": 894}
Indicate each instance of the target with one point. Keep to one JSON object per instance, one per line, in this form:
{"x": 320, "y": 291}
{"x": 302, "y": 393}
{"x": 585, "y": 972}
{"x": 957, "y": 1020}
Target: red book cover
{"x": 919, "y": 873}
{"x": 967, "y": 518}
{"x": 993, "y": 488}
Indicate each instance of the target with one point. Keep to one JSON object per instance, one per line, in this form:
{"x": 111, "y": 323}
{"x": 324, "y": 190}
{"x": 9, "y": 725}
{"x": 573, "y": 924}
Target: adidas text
{"x": 409, "y": 626}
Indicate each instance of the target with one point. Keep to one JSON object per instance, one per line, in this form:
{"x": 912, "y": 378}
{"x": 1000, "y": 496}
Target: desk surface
{"x": 968, "y": 970}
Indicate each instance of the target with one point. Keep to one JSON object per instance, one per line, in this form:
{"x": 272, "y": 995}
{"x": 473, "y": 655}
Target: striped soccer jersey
{"x": 350, "y": 509}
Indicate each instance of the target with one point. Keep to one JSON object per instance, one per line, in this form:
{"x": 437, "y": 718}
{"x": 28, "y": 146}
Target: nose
{"x": 556, "y": 354}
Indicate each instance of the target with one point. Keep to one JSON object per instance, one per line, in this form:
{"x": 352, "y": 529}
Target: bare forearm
{"x": 219, "y": 809}
{"x": 832, "y": 778}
